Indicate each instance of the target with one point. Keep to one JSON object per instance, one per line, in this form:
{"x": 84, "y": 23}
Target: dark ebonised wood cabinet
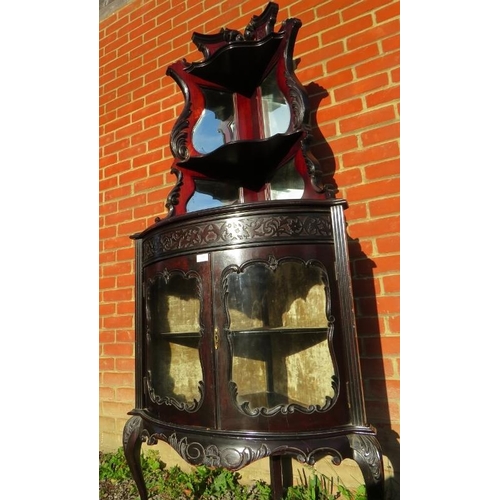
{"x": 245, "y": 327}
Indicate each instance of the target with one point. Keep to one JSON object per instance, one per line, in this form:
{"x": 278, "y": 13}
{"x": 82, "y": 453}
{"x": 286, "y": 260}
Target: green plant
{"x": 320, "y": 487}
{"x": 206, "y": 483}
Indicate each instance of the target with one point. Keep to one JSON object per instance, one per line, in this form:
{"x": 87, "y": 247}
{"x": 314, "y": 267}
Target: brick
{"x": 106, "y": 337}
{"x": 387, "y": 12}
{"x": 382, "y": 96}
{"x": 146, "y": 89}
{"x": 115, "y": 409}
{"x": 125, "y": 394}
{"x": 376, "y": 368}
{"x": 382, "y": 389}
{"x": 134, "y": 226}
{"x": 105, "y": 257}
{"x": 123, "y": 308}
{"x": 121, "y": 349}
{"x": 348, "y": 177}
{"x": 369, "y": 155}
{"x": 117, "y": 146}
{"x": 118, "y": 242}
{"x": 105, "y": 184}
{"x": 365, "y": 288}
{"x": 388, "y": 168}
{"x": 116, "y": 168}
{"x": 132, "y": 151}
{"x": 388, "y": 244}
{"x": 133, "y": 175}
{"x": 380, "y": 265}
{"x": 147, "y": 159}
{"x": 391, "y": 284}
{"x": 391, "y": 43}
{"x": 125, "y": 364}
{"x": 384, "y": 345}
{"x": 106, "y": 364}
{"x": 129, "y": 86}
{"x": 132, "y": 201}
{"x": 106, "y": 394}
{"x": 119, "y": 192}
{"x": 125, "y": 254}
{"x": 107, "y": 232}
{"x": 356, "y": 211}
{"x": 385, "y": 206}
{"x": 382, "y": 305}
{"x": 359, "y": 87}
{"x": 106, "y": 424}
{"x": 367, "y": 119}
{"x": 130, "y": 108}
{"x": 360, "y": 8}
{"x": 145, "y": 135}
{"x": 345, "y": 29}
{"x": 118, "y": 268}
{"x": 117, "y": 123}
{"x": 394, "y": 324}
{"x": 351, "y": 58}
{"x": 124, "y": 321}
{"x": 374, "y": 34}
{"x": 378, "y": 64}
{"x": 374, "y": 227}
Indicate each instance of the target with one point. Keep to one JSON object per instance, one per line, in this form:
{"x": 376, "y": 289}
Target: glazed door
{"x": 178, "y": 380}
{"x": 276, "y": 363}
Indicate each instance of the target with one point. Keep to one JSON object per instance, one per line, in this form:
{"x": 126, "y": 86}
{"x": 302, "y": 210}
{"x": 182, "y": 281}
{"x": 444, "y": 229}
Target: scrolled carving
{"x": 133, "y": 425}
{"x": 368, "y": 451}
{"x": 189, "y": 407}
{"x": 179, "y": 134}
{"x": 283, "y": 409}
{"x": 173, "y": 197}
{"x": 244, "y": 229}
{"x": 229, "y": 457}
{"x": 263, "y": 24}
{"x": 309, "y": 458}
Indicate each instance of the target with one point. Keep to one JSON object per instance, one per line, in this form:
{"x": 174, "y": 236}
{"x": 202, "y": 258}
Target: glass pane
{"x": 287, "y": 184}
{"x": 210, "y": 194}
{"x": 278, "y": 329}
{"x": 275, "y": 109}
{"x": 173, "y": 328}
{"x": 215, "y": 126}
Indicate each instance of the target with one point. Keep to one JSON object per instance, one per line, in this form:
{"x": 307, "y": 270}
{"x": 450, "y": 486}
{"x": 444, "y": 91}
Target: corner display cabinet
{"x": 245, "y": 330}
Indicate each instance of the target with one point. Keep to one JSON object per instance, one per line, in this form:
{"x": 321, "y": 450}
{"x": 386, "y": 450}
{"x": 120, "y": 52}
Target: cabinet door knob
{"x": 216, "y": 337}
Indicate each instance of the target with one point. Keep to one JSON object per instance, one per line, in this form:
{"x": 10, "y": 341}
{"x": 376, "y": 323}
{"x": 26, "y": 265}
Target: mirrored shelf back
{"x": 245, "y": 123}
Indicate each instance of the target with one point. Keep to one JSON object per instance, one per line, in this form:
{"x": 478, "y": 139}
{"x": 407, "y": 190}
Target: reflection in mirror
{"x": 278, "y": 330}
{"x": 215, "y": 126}
{"x": 172, "y": 315}
{"x": 275, "y": 109}
{"x": 287, "y": 184}
{"x": 211, "y": 194}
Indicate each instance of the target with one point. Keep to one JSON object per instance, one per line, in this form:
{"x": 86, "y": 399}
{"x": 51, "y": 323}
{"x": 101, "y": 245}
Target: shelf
{"x": 238, "y": 66}
{"x": 185, "y": 339}
{"x": 249, "y": 163}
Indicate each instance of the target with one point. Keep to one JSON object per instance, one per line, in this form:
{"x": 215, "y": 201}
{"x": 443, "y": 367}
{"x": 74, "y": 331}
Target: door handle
{"x": 216, "y": 338}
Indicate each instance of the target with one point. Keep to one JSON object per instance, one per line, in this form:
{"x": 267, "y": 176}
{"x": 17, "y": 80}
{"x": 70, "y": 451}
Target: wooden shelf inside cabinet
{"x": 186, "y": 339}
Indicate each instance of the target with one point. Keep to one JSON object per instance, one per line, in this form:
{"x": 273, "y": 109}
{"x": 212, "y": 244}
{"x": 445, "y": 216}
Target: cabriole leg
{"x": 132, "y": 441}
{"x": 368, "y": 455}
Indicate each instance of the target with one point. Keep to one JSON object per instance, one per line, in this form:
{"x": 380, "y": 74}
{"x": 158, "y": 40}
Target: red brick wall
{"x": 349, "y": 62}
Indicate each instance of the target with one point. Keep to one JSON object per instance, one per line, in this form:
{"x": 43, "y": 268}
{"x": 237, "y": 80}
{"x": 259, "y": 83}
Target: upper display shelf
{"x": 245, "y": 117}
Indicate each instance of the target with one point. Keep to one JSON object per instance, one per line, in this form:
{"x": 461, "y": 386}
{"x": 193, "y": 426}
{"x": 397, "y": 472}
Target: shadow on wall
{"x": 367, "y": 321}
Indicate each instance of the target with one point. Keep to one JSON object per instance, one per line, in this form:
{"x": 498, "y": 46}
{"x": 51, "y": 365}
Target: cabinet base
{"x": 236, "y": 450}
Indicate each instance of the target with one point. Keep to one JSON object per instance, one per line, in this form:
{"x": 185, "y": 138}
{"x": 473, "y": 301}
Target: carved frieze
{"x": 237, "y": 230}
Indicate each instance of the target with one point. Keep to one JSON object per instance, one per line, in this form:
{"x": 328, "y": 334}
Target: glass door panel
{"x": 278, "y": 330}
{"x": 173, "y": 331}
